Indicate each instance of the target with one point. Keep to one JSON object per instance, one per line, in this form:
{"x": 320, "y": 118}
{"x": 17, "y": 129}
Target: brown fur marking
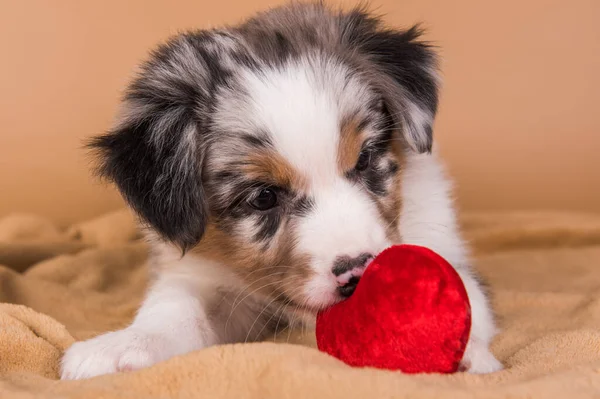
{"x": 271, "y": 167}
{"x": 350, "y": 144}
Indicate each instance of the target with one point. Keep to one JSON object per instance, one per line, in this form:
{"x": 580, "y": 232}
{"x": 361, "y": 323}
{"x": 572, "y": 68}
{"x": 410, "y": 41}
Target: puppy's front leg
{"x": 171, "y": 321}
{"x": 478, "y": 358}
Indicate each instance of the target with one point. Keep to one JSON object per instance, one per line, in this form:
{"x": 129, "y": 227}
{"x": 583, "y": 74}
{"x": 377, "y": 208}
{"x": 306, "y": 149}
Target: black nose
{"x": 347, "y": 272}
{"x": 348, "y": 289}
{"x": 345, "y": 264}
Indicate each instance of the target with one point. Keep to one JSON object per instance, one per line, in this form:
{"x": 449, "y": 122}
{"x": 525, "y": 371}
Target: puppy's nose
{"x": 347, "y": 272}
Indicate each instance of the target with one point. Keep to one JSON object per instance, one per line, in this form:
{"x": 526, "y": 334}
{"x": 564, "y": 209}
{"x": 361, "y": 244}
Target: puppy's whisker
{"x": 293, "y": 318}
{"x": 235, "y": 305}
{"x": 281, "y": 312}
{"x": 245, "y": 286}
{"x": 267, "y": 306}
{"x": 274, "y": 268}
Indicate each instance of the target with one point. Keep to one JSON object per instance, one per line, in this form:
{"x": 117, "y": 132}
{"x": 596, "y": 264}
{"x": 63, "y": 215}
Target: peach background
{"x": 519, "y": 124}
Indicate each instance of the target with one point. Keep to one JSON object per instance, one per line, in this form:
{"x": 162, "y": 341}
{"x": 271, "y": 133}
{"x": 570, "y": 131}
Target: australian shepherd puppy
{"x": 269, "y": 163}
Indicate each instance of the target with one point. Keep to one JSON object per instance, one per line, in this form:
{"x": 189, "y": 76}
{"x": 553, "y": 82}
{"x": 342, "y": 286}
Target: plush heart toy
{"x": 410, "y": 312}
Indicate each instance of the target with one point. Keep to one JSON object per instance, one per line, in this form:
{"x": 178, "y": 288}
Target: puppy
{"x": 269, "y": 163}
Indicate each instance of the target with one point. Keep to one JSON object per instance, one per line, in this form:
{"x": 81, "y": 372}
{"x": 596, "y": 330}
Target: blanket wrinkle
{"x": 59, "y": 284}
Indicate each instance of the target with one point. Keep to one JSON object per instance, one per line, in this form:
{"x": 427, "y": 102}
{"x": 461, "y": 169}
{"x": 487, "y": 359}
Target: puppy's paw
{"x": 123, "y": 350}
{"x": 479, "y": 360}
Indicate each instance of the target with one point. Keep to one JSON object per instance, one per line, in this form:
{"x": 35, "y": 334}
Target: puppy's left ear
{"x": 406, "y": 73}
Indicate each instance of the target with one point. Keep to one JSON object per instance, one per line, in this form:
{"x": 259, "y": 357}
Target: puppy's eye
{"x": 364, "y": 159}
{"x": 265, "y": 200}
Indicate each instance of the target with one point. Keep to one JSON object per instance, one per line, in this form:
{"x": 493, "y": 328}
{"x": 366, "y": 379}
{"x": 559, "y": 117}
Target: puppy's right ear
{"x": 406, "y": 69}
{"x": 154, "y": 154}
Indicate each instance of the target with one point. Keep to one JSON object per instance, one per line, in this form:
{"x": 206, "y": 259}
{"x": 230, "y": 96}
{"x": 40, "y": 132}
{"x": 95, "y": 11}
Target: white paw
{"x": 479, "y": 360}
{"x": 123, "y": 350}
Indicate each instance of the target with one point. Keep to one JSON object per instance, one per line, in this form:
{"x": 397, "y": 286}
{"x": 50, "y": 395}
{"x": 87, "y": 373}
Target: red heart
{"x": 410, "y": 312}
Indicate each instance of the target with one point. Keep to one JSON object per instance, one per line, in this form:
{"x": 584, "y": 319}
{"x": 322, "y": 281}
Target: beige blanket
{"x": 58, "y": 285}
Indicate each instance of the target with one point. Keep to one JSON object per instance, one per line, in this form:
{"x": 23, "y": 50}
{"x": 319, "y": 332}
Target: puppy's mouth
{"x": 296, "y": 305}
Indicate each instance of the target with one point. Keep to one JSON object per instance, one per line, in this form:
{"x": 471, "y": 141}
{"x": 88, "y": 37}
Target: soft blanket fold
{"x": 62, "y": 284}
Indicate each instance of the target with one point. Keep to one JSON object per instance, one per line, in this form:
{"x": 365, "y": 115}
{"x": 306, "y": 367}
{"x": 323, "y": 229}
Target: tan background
{"x": 519, "y": 123}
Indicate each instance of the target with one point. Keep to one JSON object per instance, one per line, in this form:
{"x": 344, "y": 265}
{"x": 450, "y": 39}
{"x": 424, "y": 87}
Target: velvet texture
{"x": 410, "y": 312}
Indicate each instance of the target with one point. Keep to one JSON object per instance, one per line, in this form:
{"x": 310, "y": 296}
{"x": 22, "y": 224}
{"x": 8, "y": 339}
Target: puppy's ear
{"x": 154, "y": 154}
{"x": 407, "y": 73}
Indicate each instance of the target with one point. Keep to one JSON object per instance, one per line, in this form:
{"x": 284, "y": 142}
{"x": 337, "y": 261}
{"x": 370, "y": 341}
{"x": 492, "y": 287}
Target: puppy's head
{"x": 276, "y": 147}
